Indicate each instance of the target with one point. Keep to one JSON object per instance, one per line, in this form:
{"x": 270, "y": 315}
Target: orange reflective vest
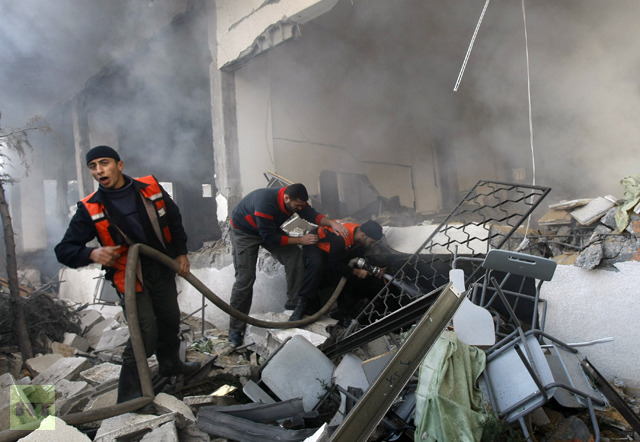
{"x": 348, "y": 240}
{"x": 157, "y": 211}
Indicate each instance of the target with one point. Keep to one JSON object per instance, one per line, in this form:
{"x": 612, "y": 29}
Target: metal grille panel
{"x": 485, "y": 218}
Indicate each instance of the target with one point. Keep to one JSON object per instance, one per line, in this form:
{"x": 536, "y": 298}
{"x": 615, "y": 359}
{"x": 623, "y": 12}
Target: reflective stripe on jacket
{"x": 156, "y": 210}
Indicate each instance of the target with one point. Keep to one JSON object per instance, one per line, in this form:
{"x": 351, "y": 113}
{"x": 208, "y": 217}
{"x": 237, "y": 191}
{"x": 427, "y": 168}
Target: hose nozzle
{"x": 362, "y": 263}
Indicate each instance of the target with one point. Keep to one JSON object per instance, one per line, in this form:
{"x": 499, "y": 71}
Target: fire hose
{"x": 148, "y": 395}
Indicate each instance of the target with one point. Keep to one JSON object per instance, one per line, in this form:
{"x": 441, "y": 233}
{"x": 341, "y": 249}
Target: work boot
{"x": 235, "y": 338}
{"x": 290, "y": 305}
{"x": 129, "y": 384}
{"x": 173, "y": 365}
{"x": 298, "y": 312}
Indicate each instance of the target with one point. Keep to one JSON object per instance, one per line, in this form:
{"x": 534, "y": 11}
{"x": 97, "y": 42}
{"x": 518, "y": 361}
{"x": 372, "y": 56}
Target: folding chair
{"x": 521, "y": 277}
{"x": 518, "y": 377}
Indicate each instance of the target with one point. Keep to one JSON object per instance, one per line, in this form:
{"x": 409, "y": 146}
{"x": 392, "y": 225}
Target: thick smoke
{"x": 50, "y": 49}
{"x": 393, "y": 65}
{"x": 387, "y": 71}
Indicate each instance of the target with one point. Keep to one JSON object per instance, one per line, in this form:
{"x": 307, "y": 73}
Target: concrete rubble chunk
{"x": 101, "y": 374}
{"x": 164, "y": 433}
{"x": 165, "y": 403}
{"x": 103, "y": 400}
{"x": 571, "y": 204}
{"x": 593, "y": 211}
{"x": 65, "y": 350}
{"x": 267, "y": 341}
{"x": 65, "y": 368}
{"x": 41, "y": 363}
{"x": 89, "y": 318}
{"x": 67, "y": 388}
{"x": 53, "y": 425}
{"x": 590, "y": 257}
{"x": 192, "y": 434}
{"x": 298, "y": 369}
{"x": 94, "y": 334}
{"x": 129, "y": 423}
{"x": 555, "y": 217}
{"x": 113, "y": 338}
{"x": 76, "y": 341}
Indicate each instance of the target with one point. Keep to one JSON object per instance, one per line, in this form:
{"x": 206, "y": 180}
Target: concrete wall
{"x": 239, "y": 24}
{"x": 585, "y": 305}
{"x": 269, "y": 291}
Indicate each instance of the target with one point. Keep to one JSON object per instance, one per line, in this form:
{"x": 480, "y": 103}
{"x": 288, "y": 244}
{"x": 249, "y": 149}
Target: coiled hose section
{"x": 133, "y": 257}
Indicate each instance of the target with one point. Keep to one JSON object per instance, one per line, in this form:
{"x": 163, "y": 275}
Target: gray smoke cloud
{"x": 388, "y": 69}
{"x": 392, "y": 67}
{"x": 49, "y": 49}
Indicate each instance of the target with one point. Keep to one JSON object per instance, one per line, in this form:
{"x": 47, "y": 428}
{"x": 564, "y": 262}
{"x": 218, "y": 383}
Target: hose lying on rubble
{"x": 148, "y": 395}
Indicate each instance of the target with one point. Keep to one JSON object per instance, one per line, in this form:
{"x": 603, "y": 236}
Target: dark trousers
{"x": 158, "y": 313}
{"x": 320, "y": 281}
{"x": 245, "y": 257}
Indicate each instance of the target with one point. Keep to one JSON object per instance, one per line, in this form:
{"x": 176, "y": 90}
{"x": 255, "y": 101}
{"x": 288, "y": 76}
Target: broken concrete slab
{"x": 571, "y": 204}
{"x": 299, "y": 369}
{"x": 555, "y": 217}
{"x": 594, "y": 210}
{"x": 266, "y": 341}
{"x": 590, "y": 257}
{"x": 165, "y": 403}
{"x": 94, "y": 334}
{"x": 73, "y": 340}
{"x": 348, "y": 373}
{"x": 65, "y": 368}
{"x": 63, "y": 432}
{"x": 41, "y": 363}
{"x": 129, "y": 423}
{"x": 63, "y": 349}
{"x": 103, "y": 400}
{"x": 66, "y": 388}
{"x": 164, "y": 433}
{"x": 113, "y": 338}
{"x": 89, "y": 318}
{"x": 102, "y": 374}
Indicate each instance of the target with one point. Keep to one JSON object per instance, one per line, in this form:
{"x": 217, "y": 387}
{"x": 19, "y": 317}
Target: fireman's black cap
{"x": 372, "y": 229}
{"x": 102, "y": 152}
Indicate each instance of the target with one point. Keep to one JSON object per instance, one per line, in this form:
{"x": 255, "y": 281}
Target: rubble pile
{"x": 82, "y": 368}
{"x": 46, "y": 317}
{"x": 587, "y": 233}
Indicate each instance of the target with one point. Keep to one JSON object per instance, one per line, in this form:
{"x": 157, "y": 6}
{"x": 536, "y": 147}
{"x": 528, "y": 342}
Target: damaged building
{"x": 420, "y": 115}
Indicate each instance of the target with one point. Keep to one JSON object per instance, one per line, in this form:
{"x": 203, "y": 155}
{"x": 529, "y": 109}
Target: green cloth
{"x": 631, "y": 198}
{"x": 448, "y": 403}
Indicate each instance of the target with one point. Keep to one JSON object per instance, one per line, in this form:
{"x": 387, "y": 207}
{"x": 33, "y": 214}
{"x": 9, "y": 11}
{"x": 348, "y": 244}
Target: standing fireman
{"x": 124, "y": 211}
{"x": 256, "y": 222}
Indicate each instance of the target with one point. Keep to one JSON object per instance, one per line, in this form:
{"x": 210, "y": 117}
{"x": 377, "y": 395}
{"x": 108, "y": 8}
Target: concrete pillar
{"x": 81, "y": 146}
{"x": 224, "y": 122}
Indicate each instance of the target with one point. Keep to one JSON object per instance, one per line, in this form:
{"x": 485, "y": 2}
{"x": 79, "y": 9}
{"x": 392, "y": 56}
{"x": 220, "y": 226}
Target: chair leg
{"x": 525, "y": 429}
